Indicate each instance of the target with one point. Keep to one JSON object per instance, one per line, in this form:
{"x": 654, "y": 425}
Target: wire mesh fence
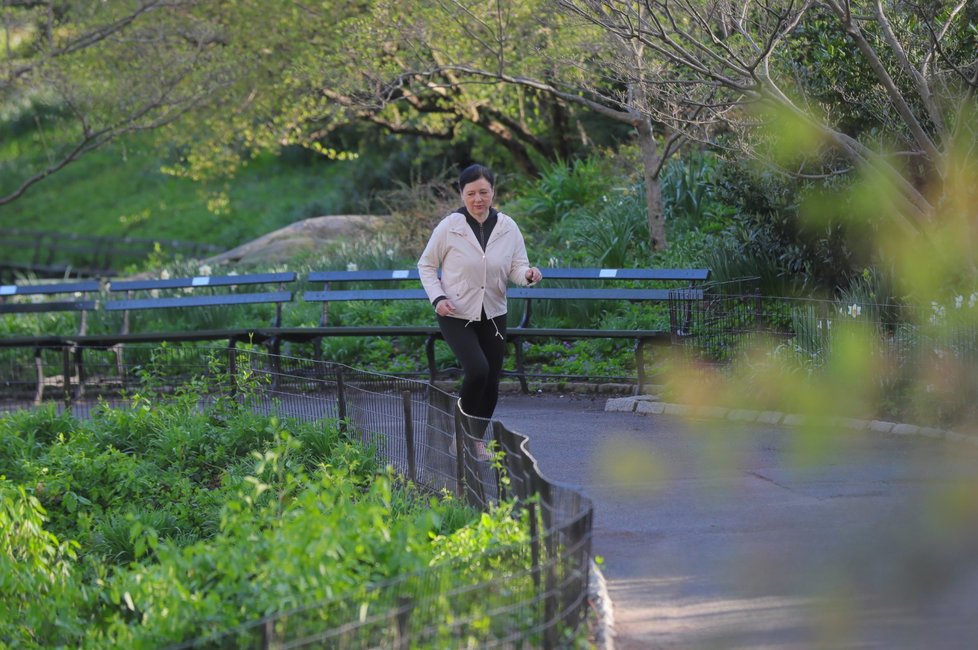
{"x": 524, "y": 596}
{"x": 922, "y": 359}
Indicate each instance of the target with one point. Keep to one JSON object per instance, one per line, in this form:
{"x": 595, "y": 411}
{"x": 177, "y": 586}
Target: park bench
{"x": 680, "y": 300}
{"x": 197, "y": 292}
{"x": 331, "y": 293}
{"x": 46, "y": 298}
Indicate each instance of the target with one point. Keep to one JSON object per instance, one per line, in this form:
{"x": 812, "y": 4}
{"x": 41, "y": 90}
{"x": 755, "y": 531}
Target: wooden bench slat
{"x": 517, "y": 293}
{"x": 201, "y": 281}
{"x": 309, "y": 333}
{"x": 559, "y": 332}
{"x": 692, "y": 275}
{"x": 546, "y": 293}
{"x": 364, "y": 294}
{"x": 198, "y": 301}
{"x": 48, "y": 289}
{"x": 108, "y": 340}
{"x": 44, "y": 307}
{"x": 365, "y": 275}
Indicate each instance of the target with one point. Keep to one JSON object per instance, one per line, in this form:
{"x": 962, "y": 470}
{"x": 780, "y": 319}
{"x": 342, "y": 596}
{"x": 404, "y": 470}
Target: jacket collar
{"x": 460, "y": 226}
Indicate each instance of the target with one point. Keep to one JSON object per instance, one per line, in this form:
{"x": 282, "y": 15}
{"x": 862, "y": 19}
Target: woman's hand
{"x": 533, "y": 275}
{"x": 445, "y": 307}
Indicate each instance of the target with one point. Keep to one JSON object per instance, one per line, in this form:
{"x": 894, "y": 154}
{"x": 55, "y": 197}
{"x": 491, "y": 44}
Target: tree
{"x": 516, "y": 71}
{"x": 104, "y": 70}
{"x": 908, "y": 69}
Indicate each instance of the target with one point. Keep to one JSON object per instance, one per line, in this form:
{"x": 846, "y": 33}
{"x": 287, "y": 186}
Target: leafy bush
{"x": 689, "y": 197}
{"x": 164, "y": 521}
{"x": 563, "y": 191}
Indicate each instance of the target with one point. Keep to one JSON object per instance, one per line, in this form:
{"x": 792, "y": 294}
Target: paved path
{"x": 717, "y": 535}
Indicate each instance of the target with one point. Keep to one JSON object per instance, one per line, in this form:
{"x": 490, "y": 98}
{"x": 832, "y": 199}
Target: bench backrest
{"x": 225, "y": 295}
{"x": 70, "y": 296}
{"x": 688, "y": 276}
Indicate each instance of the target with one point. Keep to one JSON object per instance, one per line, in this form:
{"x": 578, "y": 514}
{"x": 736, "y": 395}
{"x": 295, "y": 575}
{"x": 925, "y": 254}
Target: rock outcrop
{"x": 305, "y": 236}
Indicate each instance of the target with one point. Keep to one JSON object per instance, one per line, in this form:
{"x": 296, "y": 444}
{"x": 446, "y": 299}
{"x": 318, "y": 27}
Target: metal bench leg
{"x": 640, "y": 363}
{"x": 429, "y": 348}
{"x": 520, "y": 370}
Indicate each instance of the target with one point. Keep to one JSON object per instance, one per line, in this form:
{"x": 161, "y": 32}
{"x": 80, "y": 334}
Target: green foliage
{"x": 121, "y": 191}
{"x": 183, "y": 522}
{"x": 616, "y": 235}
{"x": 563, "y": 191}
{"x": 790, "y": 254}
{"x": 689, "y": 197}
{"x": 36, "y": 581}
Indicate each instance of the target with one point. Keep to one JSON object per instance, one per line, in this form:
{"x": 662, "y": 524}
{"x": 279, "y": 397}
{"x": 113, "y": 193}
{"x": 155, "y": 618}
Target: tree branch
{"x": 920, "y": 82}
{"x": 893, "y": 92}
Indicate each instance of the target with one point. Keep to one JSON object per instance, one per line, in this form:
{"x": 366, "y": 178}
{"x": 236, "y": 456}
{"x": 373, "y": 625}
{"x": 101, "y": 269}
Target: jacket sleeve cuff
{"x": 434, "y": 303}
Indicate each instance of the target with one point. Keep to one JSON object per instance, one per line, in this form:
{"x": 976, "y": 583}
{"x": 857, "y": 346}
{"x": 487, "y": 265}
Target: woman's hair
{"x": 474, "y": 173}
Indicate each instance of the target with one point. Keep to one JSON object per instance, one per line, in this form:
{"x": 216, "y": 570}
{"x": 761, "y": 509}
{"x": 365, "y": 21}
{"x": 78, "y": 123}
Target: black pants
{"x": 479, "y": 347}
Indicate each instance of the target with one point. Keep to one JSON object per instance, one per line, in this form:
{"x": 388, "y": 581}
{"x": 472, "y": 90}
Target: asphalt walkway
{"x": 716, "y": 534}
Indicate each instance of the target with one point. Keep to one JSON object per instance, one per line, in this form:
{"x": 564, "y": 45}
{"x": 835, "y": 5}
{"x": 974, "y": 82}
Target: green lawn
{"x": 121, "y": 190}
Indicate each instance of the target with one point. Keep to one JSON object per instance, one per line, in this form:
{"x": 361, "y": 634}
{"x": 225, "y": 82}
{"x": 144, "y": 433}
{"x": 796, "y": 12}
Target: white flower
{"x": 352, "y": 266}
{"x": 552, "y": 262}
{"x": 164, "y": 275}
{"x": 204, "y": 269}
{"x": 37, "y": 298}
{"x": 78, "y": 294}
{"x": 972, "y": 299}
{"x": 390, "y": 253}
{"x": 188, "y": 289}
{"x": 958, "y": 301}
{"x": 855, "y": 310}
{"x": 232, "y": 272}
{"x": 155, "y": 293}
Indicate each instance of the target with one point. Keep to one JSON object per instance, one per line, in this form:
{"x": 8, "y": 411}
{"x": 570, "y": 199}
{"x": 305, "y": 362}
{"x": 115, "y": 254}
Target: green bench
{"x": 45, "y": 298}
{"x": 681, "y": 301}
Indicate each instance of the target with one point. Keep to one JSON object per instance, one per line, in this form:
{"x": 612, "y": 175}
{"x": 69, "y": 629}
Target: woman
{"x": 478, "y": 250}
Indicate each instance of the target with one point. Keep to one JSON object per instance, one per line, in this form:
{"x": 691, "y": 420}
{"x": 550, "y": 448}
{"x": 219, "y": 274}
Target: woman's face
{"x": 477, "y": 197}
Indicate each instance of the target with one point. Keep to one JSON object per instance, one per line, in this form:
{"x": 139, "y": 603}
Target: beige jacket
{"x": 471, "y": 279}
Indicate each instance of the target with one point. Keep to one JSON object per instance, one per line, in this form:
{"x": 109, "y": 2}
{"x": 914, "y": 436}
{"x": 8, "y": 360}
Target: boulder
{"x": 304, "y": 236}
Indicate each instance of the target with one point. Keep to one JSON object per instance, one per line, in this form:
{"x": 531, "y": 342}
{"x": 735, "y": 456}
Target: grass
{"x": 120, "y": 190}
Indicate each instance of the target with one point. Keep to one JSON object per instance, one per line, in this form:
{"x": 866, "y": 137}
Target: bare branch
{"x": 920, "y": 81}
{"x": 851, "y": 28}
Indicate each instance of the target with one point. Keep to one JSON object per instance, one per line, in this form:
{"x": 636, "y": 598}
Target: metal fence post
{"x": 232, "y": 370}
{"x": 403, "y": 641}
{"x": 459, "y": 453}
{"x": 341, "y": 398}
{"x": 66, "y": 370}
{"x": 409, "y": 436}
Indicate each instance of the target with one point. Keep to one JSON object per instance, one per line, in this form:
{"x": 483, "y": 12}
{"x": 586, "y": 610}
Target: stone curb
{"x": 647, "y": 405}
{"x": 604, "y": 634}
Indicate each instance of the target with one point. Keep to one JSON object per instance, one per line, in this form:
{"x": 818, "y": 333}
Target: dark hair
{"x": 474, "y": 173}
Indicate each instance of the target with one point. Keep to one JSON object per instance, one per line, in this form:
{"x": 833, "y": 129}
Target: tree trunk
{"x": 651, "y": 164}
